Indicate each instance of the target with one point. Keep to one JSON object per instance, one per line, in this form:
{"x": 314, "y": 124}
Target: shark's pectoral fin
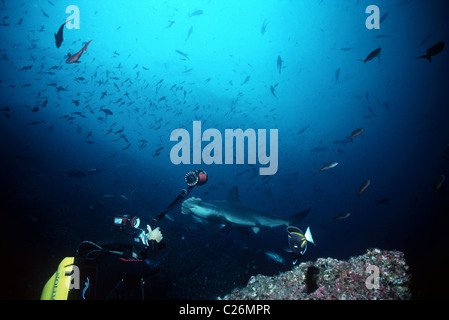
{"x": 255, "y": 230}
{"x": 69, "y": 55}
{"x": 297, "y": 218}
{"x": 77, "y": 61}
{"x": 198, "y": 219}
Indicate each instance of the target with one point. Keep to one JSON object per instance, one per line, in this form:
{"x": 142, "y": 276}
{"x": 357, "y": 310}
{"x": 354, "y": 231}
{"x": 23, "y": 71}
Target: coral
{"x": 376, "y": 275}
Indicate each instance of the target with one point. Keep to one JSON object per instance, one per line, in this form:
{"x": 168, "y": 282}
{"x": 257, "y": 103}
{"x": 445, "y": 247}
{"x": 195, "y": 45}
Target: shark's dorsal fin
{"x": 233, "y": 194}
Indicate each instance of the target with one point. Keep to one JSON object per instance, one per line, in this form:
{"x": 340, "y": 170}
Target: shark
{"x": 232, "y": 212}
{"x": 59, "y": 37}
{"x": 75, "y": 58}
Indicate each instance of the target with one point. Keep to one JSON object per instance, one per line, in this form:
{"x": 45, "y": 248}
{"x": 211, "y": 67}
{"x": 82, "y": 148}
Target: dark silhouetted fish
{"x": 272, "y": 88}
{"x": 372, "y": 55}
{"x": 59, "y": 36}
{"x": 427, "y": 38}
{"x": 355, "y": 133}
{"x": 303, "y": 130}
{"x": 196, "y": 13}
{"x": 384, "y": 201}
{"x": 189, "y": 33}
{"x": 107, "y": 112}
{"x": 382, "y": 19}
{"x": 170, "y": 23}
{"x": 279, "y": 63}
{"x": 183, "y": 54}
{"x": 264, "y": 27}
{"x": 433, "y": 51}
{"x": 246, "y": 80}
{"x": 76, "y": 174}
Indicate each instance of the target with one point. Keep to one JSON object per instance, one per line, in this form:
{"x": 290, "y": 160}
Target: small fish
{"x": 355, "y": 133}
{"x": 303, "y": 130}
{"x": 264, "y": 27}
{"x": 342, "y": 216}
{"x": 364, "y": 186}
{"x": 183, "y": 54}
{"x": 272, "y": 88}
{"x": 433, "y": 51}
{"x": 189, "y": 33}
{"x": 372, "y": 55}
{"x": 329, "y": 165}
{"x": 279, "y": 63}
{"x": 439, "y": 183}
{"x": 246, "y": 80}
{"x": 274, "y": 256}
{"x": 337, "y": 75}
{"x": 196, "y": 13}
{"x": 170, "y": 23}
{"x": 384, "y": 201}
{"x": 107, "y": 112}
{"x": 35, "y": 123}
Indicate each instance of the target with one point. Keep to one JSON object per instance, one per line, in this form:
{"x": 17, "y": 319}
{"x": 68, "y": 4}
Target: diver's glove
{"x": 155, "y": 234}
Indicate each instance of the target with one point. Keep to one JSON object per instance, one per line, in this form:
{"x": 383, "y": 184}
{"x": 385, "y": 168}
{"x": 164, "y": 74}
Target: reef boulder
{"x": 376, "y": 275}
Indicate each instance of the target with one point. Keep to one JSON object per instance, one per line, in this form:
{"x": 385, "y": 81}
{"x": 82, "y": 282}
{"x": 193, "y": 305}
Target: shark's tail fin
{"x": 85, "y": 46}
{"x": 295, "y": 219}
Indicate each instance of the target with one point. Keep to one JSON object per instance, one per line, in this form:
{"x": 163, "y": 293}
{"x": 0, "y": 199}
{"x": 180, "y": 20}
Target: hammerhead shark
{"x": 75, "y": 58}
{"x": 232, "y": 212}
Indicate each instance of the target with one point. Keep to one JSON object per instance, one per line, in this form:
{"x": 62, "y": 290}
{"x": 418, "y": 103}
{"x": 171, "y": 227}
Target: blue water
{"x": 53, "y": 124}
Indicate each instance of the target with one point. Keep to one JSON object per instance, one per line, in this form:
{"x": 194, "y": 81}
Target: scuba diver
{"x": 116, "y": 269}
{"x": 297, "y": 241}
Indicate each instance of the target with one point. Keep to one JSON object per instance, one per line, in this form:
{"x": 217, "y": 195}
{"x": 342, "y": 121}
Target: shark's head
{"x": 197, "y": 207}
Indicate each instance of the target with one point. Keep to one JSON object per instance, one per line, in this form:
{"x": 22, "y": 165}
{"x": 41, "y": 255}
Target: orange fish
{"x": 364, "y": 186}
{"x": 355, "y": 133}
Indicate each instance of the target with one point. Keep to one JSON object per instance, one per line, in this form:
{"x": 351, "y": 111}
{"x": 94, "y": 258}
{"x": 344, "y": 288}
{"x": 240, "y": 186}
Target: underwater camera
{"x": 195, "y": 178}
{"x": 126, "y": 221}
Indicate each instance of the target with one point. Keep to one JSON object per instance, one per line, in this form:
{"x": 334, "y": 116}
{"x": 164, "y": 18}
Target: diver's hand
{"x": 155, "y": 234}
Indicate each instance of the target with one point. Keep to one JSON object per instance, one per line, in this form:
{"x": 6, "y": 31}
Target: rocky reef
{"x": 376, "y": 275}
